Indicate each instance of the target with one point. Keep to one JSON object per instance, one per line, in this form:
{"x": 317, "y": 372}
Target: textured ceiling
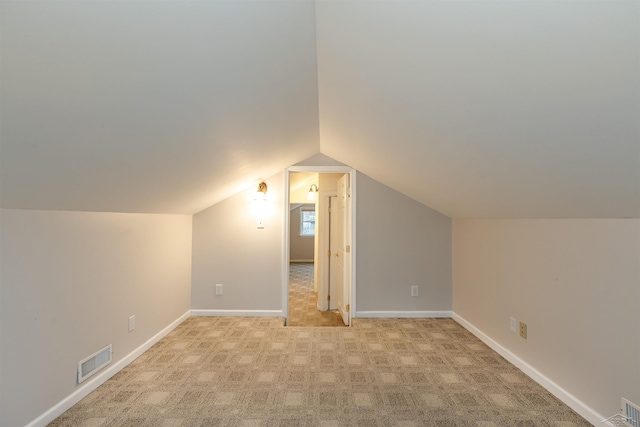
{"x": 520, "y": 109}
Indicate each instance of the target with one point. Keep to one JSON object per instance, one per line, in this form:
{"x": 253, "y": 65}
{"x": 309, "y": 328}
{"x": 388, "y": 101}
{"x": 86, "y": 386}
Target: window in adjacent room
{"x": 308, "y": 221}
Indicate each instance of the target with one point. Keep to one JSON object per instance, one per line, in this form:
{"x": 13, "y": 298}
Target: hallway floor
{"x": 302, "y": 299}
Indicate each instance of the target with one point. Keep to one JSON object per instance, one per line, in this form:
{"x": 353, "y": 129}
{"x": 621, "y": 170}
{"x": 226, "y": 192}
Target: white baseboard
{"x": 553, "y": 388}
{"x": 306, "y": 261}
{"x": 403, "y": 314}
{"x": 101, "y": 377}
{"x": 238, "y": 313}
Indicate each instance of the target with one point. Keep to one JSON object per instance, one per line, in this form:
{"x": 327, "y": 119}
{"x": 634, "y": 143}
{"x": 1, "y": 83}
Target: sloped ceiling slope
{"x": 516, "y": 109}
{"x": 160, "y": 107}
{"x": 475, "y": 108}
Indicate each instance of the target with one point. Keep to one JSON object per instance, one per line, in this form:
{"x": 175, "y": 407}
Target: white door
{"x": 340, "y": 288}
{"x": 333, "y": 249}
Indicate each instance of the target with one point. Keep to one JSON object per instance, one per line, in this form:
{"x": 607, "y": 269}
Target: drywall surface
{"x": 301, "y": 247}
{"x": 477, "y": 108}
{"x": 230, "y": 249}
{"x": 400, "y": 243}
{"x": 320, "y": 159}
{"x": 299, "y": 185}
{"x": 69, "y": 282}
{"x": 159, "y": 106}
{"x": 576, "y": 283}
{"x": 329, "y": 182}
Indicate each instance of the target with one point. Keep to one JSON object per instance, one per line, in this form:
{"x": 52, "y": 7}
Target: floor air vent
{"x": 632, "y": 412}
{"x": 93, "y": 363}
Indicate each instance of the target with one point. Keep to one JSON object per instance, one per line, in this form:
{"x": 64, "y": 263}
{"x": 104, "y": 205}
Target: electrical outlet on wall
{"x": 132, "y": 323}
{"x": 414, "y": 291}
{"x": 218, "y": 289}
{"x": 523, "y": 330}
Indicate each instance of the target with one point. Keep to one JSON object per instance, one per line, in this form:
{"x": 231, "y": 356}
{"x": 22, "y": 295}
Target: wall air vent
{"x": 93, "y": 363}
{"x": 631, "y": 412}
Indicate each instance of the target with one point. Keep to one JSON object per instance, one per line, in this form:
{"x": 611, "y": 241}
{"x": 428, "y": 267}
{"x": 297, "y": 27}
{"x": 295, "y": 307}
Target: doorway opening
{"x": 319, "y": 254}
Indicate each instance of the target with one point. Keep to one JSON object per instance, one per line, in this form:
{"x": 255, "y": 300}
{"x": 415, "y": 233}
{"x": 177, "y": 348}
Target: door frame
{"x": 324, "y": 233}
{"x": 351, "y": 237}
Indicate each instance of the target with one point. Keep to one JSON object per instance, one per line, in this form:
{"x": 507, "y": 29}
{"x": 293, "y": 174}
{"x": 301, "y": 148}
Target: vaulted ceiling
{"x": 518, "y": 109}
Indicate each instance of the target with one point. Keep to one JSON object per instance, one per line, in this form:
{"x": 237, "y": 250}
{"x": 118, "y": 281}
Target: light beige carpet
{"x": 255, "y": 372}
{"x": 303, "y": 309}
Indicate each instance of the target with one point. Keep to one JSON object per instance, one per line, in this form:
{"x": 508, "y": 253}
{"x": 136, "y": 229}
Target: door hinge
{"x": 328, "y": 297}
{"x": 348, "y": 308}
{"x": 348, "y": 249}
{"x": 329, "y": 209}
{"x": 329, "y": 254}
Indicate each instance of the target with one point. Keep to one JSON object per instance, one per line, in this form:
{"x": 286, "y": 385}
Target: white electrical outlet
{"x": 514, "y": 325}
{"x": 218, "y": 289}
{"x": 414, "y": 291}
{"x": 132, "y": 323}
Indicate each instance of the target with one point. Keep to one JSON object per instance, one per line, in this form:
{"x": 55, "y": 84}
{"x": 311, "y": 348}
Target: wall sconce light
{"x": 260, "y": 201}
{"x": 261, "y": 194}
{"x": 311, "y": 195}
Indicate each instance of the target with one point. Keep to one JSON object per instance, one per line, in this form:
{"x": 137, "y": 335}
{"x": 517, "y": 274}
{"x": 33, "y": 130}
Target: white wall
{"x": 328, "y": 182}
{"x": 299, "y": 184}
{"x": 229, "y": 249}
{"x": 576, "y": 283}
{"x": 400, "y": 243}
{"x": 69, "y": 282}
{"x": 301, "y": 248}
